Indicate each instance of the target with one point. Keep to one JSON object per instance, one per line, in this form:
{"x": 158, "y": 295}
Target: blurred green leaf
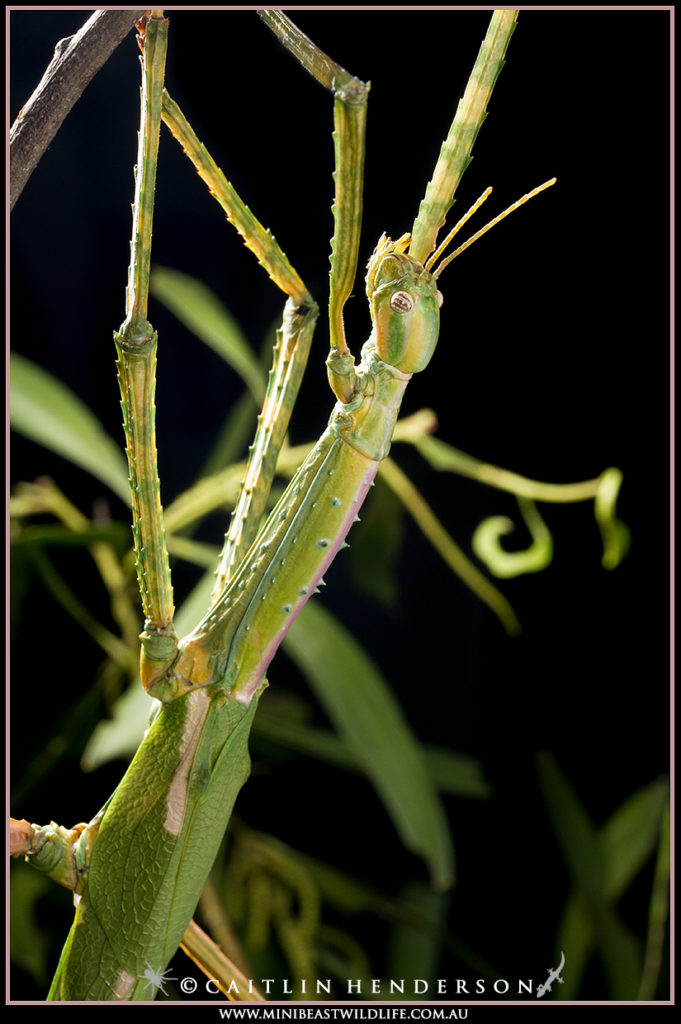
{"x": 629, "y": 837}
{"x": 358, "y": 701}
{"x": 46, "y": 411}
{"x": 451, "y": 772}
{"x": 233, "y": 437}
{"x": 238, "y": 427}
{"x": 456, "y": 773}
{"x": 619, "y": 950}
{"x": 626, "y": 842}
{"x": 120, "y": 735}
{"x": 57, "y": 535}
{"x": 658, "y": 911}
{"x": 200, "y": 310}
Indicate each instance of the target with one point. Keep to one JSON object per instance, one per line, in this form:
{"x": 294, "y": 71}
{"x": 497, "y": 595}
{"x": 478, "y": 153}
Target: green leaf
{"x": 619, "y": 949}
{"x": 59, "y": 536}
{"x": 358, "y": 701}
{"x": 233, "y": 437}
{"x": 199, "y": 309}
{"x": 237, "y": 429}
{"x": 456, "y": 773}
{"x": 658, "y": 911}
{"x": 627, "y": 842}
{"x": 630, "y": 836}
{"x": 45, "y": 410}
{"x": 120, "y": 735}
{"x": 451, "y": 772}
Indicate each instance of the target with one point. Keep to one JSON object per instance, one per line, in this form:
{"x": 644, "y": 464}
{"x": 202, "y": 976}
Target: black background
{"x": 553, "y": 361}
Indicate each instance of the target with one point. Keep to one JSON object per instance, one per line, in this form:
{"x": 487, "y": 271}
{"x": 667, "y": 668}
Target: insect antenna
{"x": 482, "y": 231}
{"x": 457, "y": 227}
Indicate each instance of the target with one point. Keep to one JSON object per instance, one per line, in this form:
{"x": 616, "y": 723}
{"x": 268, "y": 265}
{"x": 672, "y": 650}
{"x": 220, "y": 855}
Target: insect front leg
{"x": 455, "y": 154}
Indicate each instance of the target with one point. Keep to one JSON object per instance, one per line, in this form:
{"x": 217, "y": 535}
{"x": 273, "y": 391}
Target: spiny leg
{"x": 288, "y": 366}
{"x": 293, "y": 342}
{"x": 290, "y": 353}
{"x": 65, "y": 854}
{"x": 455, "y": 155}
{"x": 456, "y": 149}
{"x": 349, "y": 114}
{"x": 204, "y": 652}
{"x": 257, "y": 238}
{"x": 136, "y": 344}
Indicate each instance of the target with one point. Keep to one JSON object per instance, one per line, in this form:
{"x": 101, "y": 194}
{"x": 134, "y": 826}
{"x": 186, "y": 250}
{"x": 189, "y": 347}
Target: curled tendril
{"x": 614, "y": 533}
{"x": 603, "y": 489}
{"x": 505, "y": 564}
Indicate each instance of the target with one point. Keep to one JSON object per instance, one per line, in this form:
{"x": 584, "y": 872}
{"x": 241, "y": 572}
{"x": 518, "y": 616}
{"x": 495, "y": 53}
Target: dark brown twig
{"x": 76, "y": 61}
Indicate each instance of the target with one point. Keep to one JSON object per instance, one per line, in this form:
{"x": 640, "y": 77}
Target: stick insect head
{"x": 403, "y": 293}
{"x": 405, "y": 306}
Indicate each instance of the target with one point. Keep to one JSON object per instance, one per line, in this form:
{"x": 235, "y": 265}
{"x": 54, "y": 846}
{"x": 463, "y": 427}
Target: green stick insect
{"x": 139, "y": 865}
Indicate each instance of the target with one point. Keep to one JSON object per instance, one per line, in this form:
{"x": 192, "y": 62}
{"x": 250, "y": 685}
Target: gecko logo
{"x": 554, "y": 975}
{"x": 155, "y": 979}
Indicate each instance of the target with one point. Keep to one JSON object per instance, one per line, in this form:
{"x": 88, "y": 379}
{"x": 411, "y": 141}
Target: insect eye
{"x": 440, "y": 298}
{"x": 401, "y": 302}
